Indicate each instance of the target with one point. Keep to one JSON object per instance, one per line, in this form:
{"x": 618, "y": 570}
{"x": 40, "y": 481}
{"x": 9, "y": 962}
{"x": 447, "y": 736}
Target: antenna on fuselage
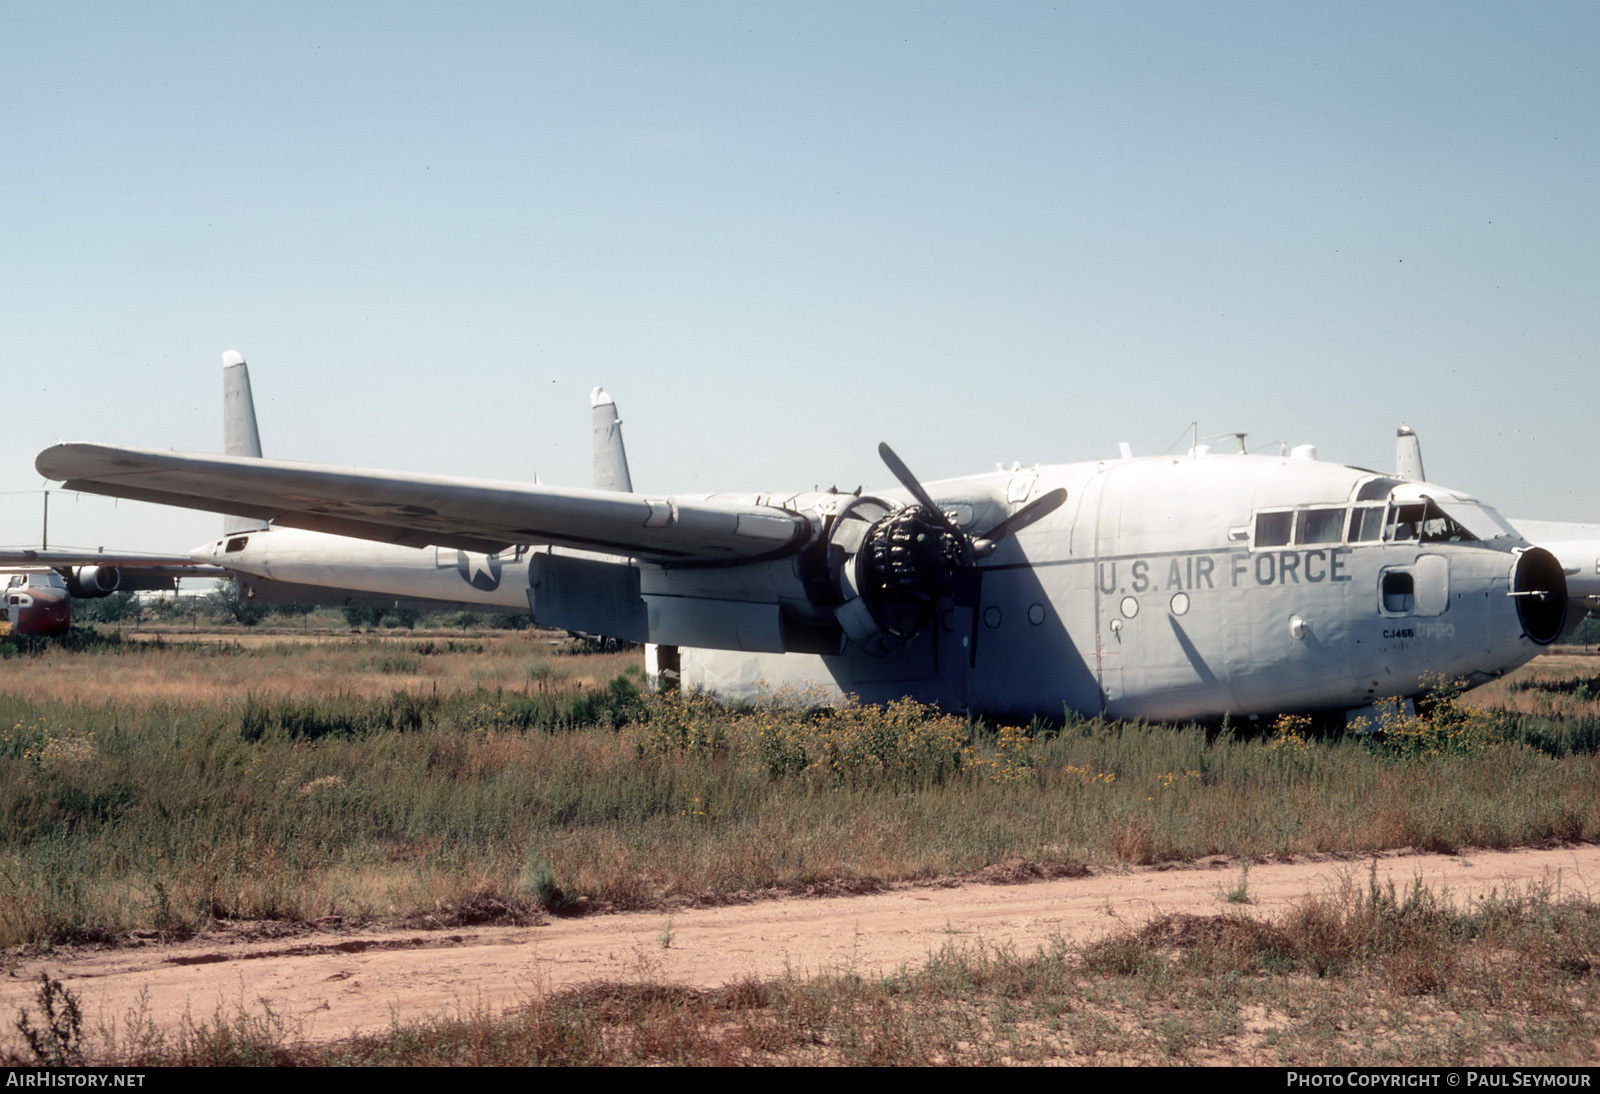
{"x": 1238, "y": 439}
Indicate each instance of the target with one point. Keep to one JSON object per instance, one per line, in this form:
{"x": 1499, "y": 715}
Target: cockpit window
{"x": 235, "y": 544}
{"x": 1416, "y": 520}
{"x": 1439, "y": 527}
{"x": 1425, "y": 522}
{"x": 1480, "y": 521}
{"x": 1405, "y": 522}
{"x": 1319, "y": 526}
{"x": 1366, "y": 524}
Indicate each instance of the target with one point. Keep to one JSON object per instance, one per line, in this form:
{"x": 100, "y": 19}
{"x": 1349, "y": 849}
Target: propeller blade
{"x": 1042, "y": 506}
{"x": 909, "y": 481}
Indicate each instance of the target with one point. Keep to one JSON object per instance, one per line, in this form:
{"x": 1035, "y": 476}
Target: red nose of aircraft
{"x": 37, "y": 612}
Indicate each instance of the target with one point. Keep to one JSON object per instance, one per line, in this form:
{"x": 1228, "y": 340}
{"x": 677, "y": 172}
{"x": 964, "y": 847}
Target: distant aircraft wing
{"x": 1577, "y": 546}
{"x": 24, "y": 557}
{"x": 133, "y": 571}
{"x": 423, "y": 510}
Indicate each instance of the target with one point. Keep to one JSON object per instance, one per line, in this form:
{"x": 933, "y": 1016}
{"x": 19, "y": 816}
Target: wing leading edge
{"x": 422, "y": 510}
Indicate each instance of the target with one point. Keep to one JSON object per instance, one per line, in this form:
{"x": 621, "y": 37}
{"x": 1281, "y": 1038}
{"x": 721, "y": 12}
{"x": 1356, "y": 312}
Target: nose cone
{"x": 45, "y": 614}
{"x": 1540, "y": 589}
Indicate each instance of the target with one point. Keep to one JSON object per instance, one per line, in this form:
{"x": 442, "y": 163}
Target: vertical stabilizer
{"x": 610, "y": 458}
{"x": 1408, "y": 455}
{"x": 240, "y": 437}
{"x": 239, "y": 434}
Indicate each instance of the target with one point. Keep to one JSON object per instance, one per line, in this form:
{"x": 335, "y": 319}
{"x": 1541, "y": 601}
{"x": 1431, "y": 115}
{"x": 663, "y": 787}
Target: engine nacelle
{"x": 890, "y": 566}
{"x": 1540, "y": 586}
{"x": 90, "y": 582}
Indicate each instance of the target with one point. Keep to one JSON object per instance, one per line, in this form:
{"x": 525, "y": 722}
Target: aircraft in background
{"x": 35, "y": 605}
{"x": 41, "y": 585}
{"x": 290, "y": 565}
{"x": 278, "y": 564}
{"x": 1170, "y": 588}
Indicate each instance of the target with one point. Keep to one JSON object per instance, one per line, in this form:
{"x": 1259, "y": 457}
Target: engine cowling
{"x": 1540, "y": 586}
{"x": 891, "y": 565}
{"x": 91, "y": 582}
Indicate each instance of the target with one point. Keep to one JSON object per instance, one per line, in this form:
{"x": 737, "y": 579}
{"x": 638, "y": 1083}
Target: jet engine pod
{"x": 1541, "y": 591}
{"x": 890, "y": 566}
{"x": 89, "y": 582}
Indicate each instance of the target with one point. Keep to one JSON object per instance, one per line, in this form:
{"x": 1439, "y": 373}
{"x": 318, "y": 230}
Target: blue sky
{"x": 779, "y": 235}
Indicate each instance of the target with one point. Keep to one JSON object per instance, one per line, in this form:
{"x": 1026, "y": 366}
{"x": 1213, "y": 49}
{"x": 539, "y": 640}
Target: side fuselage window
{"x": 1319, "y": 526}
{"x": 1272, "y": 529}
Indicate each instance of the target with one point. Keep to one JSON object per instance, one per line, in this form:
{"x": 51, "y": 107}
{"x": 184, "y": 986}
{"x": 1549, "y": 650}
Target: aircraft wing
{"x": 1577, "y": 546}
{"x": 133, "y": 571}
{"x": 423, "y": 510}
{"x": 25, "y": 557}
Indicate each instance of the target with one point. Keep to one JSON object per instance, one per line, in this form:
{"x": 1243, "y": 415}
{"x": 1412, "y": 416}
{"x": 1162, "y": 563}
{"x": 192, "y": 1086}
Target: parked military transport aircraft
{"x": 40, "y": 585}
{"x": 291, "y": 565}
{"x": 296, "y": 565}
{"x": 36, "y": 605}
{"x": 1166, "y": 587}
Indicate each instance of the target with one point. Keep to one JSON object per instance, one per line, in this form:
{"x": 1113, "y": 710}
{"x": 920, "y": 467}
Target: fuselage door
{"x": 1433, "y": 584}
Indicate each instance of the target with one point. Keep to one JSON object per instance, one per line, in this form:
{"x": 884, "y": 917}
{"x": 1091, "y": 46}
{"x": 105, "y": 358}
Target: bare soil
{"x": 330, "y": 982}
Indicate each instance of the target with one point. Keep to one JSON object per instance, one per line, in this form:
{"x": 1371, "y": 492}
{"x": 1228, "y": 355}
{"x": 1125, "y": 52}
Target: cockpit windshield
{"x": 47, "y": 580}
{"x": 1483, "y": 521}
{"x": 1425, "y": 522}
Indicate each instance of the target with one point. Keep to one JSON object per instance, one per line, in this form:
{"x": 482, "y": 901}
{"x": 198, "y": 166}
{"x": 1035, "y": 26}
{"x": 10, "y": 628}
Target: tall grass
{"x": 169, "y": 788}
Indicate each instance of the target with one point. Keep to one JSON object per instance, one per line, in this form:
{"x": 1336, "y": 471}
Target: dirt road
{"x": 329, "y": 983}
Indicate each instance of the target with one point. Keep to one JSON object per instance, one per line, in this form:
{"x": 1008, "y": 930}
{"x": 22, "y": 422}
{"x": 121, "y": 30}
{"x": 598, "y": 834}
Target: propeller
{"x": 1041, "y": 506}
{"x": 913, "y": 557}
{"x": 982, "y": 545}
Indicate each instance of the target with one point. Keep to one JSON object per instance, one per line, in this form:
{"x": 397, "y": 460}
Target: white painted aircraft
{"x": 292, "y": 565}
{"x": 281, "y": 563}
{"x": 1168, "y": 587}
{"x": 1575, "y": 546}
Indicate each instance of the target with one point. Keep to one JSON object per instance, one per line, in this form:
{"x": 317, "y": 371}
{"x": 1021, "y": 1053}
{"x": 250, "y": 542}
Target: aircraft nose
{"x": 1540, "y": 589}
